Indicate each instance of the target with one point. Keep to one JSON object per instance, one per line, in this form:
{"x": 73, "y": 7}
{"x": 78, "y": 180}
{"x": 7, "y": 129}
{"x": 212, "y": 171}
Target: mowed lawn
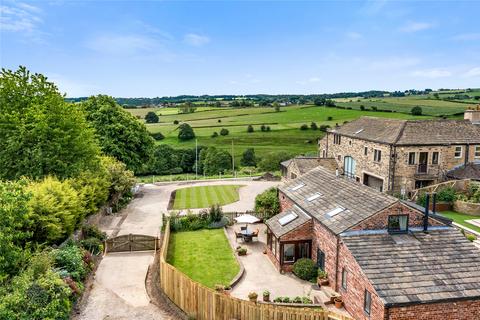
{"x": 460, "y": 219}
{"x": 203, "y": 197}
{"x": 205, "y": 256}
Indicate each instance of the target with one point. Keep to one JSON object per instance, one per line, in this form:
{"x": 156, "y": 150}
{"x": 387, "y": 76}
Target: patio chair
{"x": 255, "y": 234}
{"x": 238, "y": 235}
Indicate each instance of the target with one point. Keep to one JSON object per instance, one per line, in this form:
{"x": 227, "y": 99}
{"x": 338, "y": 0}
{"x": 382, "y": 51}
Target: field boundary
{"x": 203, "y": 303}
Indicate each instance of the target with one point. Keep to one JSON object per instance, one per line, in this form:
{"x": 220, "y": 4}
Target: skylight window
{"x": 357, "y": 132}
{"x": 298, "y": 186}
{"x": 287, "y": 219}
{"x": 314, "y": 196}
{"x": 335, "y": 211}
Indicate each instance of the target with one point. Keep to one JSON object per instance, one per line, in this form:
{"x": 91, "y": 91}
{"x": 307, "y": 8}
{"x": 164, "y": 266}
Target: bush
{"x": 157, "y": 136}
{"x": 313, "y": 126}
{"x": 248, "y": 158}
{"x": 151, "y": 117}
{"x": 362, "y": 107}
{"x": 92, "y": 231}
{"x": 267, "y": 203}
{"x": 447, "y": 195}
{"x": 215, "y": 134}
{"x": 471, "y": 237}
{"x": 93, "y": 245}
{"x": 330, "y": 118}
{"x": 250, "y": 128}
{"x": 70, "y": 259}
{"x": 417, "y": 111}
{"x": 263, "y": 128}
{"x": 185, "y": 132}
{"x": 304, "y": 127}
{"x": 324, "y": 127}
{"x": 224, "y": 132}
{"x": 271, "y": 161}
{"x": 175, "y": 122}
{"x": 268, "y": 128}
{"x": 305, "y": 269}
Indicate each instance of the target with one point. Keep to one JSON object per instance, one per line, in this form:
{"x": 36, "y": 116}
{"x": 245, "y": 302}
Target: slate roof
{"x": 469, "y": 171}
{"x": 306, "y": 164}
{"x": 279, "y": 230}
{"x": 359, "y": 201}
{"x": 411, "y": 132}
{"x": 419, "y": 267}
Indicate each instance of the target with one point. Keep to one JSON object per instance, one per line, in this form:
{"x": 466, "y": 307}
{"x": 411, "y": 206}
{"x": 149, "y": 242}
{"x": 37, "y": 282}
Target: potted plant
{"x": 266, "y": 296}
{"x": 242, "y": 251}
{"x": 338, "y": 302}
{"x": 227, "y": 290}
{"x": 322, "y": 279}
{"x": 252, "y": 296}
{"x": 219, "y": 288}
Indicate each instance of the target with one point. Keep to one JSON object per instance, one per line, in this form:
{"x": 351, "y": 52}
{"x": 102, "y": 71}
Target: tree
{"x": 14, "y": 224}
{"x": 263, "y": 128}
{"x": 330, "y": 103}
{"x": 304, "y": 127}
{"x": 417, "y": 111}
{"x": 271, "y": 161}
{"x": 215, "y": 134}
{"x": 152, "y": 117}
{"x": 224, "y": 132}
{"x": 248, "y": 158}
{"x": 41, "y": 134}
{"x": 250, "y": 128}
{"x": 268, "y": 203}
{"x": 276, "y": 106}
{"x": 119, "y": 133}
{"x": 313, "y": 126}
{"x": 120, "y": 180}
{"x": 185, "y": 132}
{"x": 215, "y": 161}
{"x": 164, "y": 160}
{"x": 319, "y": 101}
{"x": 187, "y": 107}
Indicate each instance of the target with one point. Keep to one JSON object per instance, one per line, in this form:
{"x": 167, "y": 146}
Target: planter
{"x": 470, "y": 208}
{"x": 322, "y": 282}
{"x": 338, "y": 302}
{"x": 266, "y": 298}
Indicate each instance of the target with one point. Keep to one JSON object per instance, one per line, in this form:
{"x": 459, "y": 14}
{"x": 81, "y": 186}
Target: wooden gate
{"x": 131, "y": 242}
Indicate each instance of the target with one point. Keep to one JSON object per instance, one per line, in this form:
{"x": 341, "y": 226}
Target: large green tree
{"x": 215, "y": 161}
{"x": 185, "y": 132}
{"x": 41, "y": 134}
{"x": 119, "y": 133}
{"x": 248, "y": 158}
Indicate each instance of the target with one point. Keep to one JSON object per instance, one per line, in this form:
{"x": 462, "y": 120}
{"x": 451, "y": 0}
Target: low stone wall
{"x": 467, "y": 207}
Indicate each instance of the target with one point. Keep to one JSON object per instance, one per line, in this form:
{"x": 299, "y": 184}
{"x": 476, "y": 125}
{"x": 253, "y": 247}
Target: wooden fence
{"x": 202, "y": 303}
{"x": 457, "y": 184}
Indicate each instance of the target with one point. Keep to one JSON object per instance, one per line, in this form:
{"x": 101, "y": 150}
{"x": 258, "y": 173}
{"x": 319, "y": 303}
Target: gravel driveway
{"x": 118, "y": 290}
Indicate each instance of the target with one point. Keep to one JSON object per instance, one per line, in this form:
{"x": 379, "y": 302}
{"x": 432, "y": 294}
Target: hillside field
{"x": 285, "y": 134}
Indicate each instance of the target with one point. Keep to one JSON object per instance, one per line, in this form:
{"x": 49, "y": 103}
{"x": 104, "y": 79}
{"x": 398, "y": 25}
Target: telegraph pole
{"x": 233, "y": 161}
{"x": 196, "y": 159}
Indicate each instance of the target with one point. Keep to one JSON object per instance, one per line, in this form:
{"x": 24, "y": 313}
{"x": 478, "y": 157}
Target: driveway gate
{"x": 131, "y": 242}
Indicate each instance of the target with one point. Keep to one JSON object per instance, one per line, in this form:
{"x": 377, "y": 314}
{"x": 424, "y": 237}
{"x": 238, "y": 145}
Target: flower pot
{"x": 324, "y": 282}
{"x": 338, "y": 303}
{"x": 266, "y": 298}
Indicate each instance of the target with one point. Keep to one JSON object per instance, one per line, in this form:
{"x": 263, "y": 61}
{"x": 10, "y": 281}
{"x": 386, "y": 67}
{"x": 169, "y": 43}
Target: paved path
{"x": 118, "y": 291}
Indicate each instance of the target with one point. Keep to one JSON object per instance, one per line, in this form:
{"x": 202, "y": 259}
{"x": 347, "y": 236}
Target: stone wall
{"x": 285, "y": 202}
{"x": 380, "y": 220}
{"x": 326, "y": 241}
{"x": 467, "y": 207}
{"x": 459, "y": 310}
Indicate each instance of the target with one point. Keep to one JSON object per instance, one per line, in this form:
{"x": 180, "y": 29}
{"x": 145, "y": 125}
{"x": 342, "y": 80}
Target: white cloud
{"x": 414, "y": 26}
{"x": 474, "y": 72}
{"x": 196, "y": 40}
{"x": 354, "y": 35}
{"x": 119, "y": 44}
{"x": 431, "y": 73}
{"x": 467, "y": 37}
{"x": 19, "y": 18}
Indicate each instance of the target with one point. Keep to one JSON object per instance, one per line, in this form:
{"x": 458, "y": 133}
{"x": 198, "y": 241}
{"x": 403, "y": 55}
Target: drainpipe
{"x": 467, "y": 153}
{"x": 394, "y": 166}
{"x": 326, "y": 148}
{"x": 336, "y": 265}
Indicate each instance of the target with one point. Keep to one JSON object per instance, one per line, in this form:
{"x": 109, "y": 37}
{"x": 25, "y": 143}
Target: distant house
{"x": 375, "y": 249}
{"x": 297, "y": 166}
{"x": 470, "y": 170}
{"x": 398, "y": 156}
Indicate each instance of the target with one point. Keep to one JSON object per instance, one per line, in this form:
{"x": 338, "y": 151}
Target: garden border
{"x": 241, "y": 272}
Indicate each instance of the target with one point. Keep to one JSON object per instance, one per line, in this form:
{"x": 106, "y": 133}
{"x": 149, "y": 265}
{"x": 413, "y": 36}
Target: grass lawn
{"x": 204, "y": 255}
{"x": 460, "y": 219}
{"x": 203, "y": 197}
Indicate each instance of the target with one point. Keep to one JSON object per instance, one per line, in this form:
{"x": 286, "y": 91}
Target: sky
{"x": 168, "y": 48}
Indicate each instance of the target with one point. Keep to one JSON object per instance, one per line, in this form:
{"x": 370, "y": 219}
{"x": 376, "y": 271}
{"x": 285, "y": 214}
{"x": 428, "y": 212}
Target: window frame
{"x": 410, "y": 154}
{"x": 437, "y": 158}
{"x": 476, "y": 151}
{"x": 365, "y": 151}
{"x": 394, "y": 231}
{"x": 337, "y": 139}
{"x": 377, "y": 153}
{"x": 461, "y": 152}
{"x": 367, "y": 308}
{"x": 344, "y": 278}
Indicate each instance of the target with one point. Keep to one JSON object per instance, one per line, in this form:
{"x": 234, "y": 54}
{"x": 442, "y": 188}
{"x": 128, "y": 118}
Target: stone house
{"x": 375, "y": 249}
{"x": 398, "y": 156}
{"x": 297, "y": 166}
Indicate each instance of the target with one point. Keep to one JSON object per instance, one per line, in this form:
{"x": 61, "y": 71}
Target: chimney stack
{"x": 473, "y": 115}
{"x": 427, "y": 211}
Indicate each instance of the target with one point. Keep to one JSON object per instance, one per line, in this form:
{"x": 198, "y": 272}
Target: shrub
{"x": 151, "y": 117}
{"x": 93, "y": 245}
{"x": 215, "y": 134}
{"x": 219, "y": 120}
{"x": 250, "y": 128}
{"x": 224, "y": 132}
{"x": 304, "y": 127}
{"x": 286, "y": 300}
{"x": 271, "y": 161}
{"x": 330, "y": 118}
{"x": 175, "y": 122}
{"x": 248, "y": 158}
{"x": 242, "y": 251}
{"x": 471, "y": 237}
{"x": 362, "y": 107}
{"x": 267, "y": 203}
{"x": 306, "y": 300}
{"x": 417, "y": 111}
{"x": 313, "y": 126}
{"x": 278, "y": 299}
{"x": 374, "y": 108}
{"x": 447, "y": 195}
{"x": 70, "y": 259}
{"x": 157, "y": 136}
{"x": 185, "y": 132}
{"x": 305, "y": 269}
{"x": 263, "y": 128}
{"x": 268, "y": 128}
{"x": 90, "y": 230}
{"x": 324, "y": 127}
{"x": 297, "y": 299}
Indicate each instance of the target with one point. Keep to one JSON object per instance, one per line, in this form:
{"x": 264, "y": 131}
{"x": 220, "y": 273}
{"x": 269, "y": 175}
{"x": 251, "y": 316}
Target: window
{"x": 335, "y": 211}
{"x": 411, "y": 158}
{"x": 398, "y": 223}
{"x": 435, "y": 157}
{"x": 287, "y": 219}
{"x": 289, "y": 252}
{"x": 339, "y": 157}
{"x": 377, "y": 155}
{"x": 303, "y": 250}
{"x": 458, "y": 152}
{"x": 344, "y": 279}
{"x": 337, "y": 139}
{"x": 293, "y": 175}
{"x": 477, "y": 151}
{"x": 320, "y": 259}
{"x": 298, "y": 186}
{"x": 367, "y": 302}
{"x": 314, "y": 196}
{"x": 365, "y": 151}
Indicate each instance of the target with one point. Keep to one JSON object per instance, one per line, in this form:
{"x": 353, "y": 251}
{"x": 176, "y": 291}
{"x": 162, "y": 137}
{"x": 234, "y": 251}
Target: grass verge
{"x": 460, "y": 219}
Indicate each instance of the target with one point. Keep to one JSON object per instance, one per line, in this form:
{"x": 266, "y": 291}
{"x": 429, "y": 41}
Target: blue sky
{"x": 161, "y": 48}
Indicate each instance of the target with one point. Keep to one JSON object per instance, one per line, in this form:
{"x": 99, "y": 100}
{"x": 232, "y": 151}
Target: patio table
{"x": 247, "y": 235}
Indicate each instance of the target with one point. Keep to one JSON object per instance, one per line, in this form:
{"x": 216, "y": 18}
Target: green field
{"x": 205, "y": 256}
{"x": 460, "y": 219}
{"x": 285, "y": 134}
{"x": 204, "y": 197}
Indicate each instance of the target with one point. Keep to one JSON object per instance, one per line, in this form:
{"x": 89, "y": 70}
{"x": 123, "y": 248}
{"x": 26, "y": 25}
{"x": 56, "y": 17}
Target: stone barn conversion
{"x": 386, "y": 258}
